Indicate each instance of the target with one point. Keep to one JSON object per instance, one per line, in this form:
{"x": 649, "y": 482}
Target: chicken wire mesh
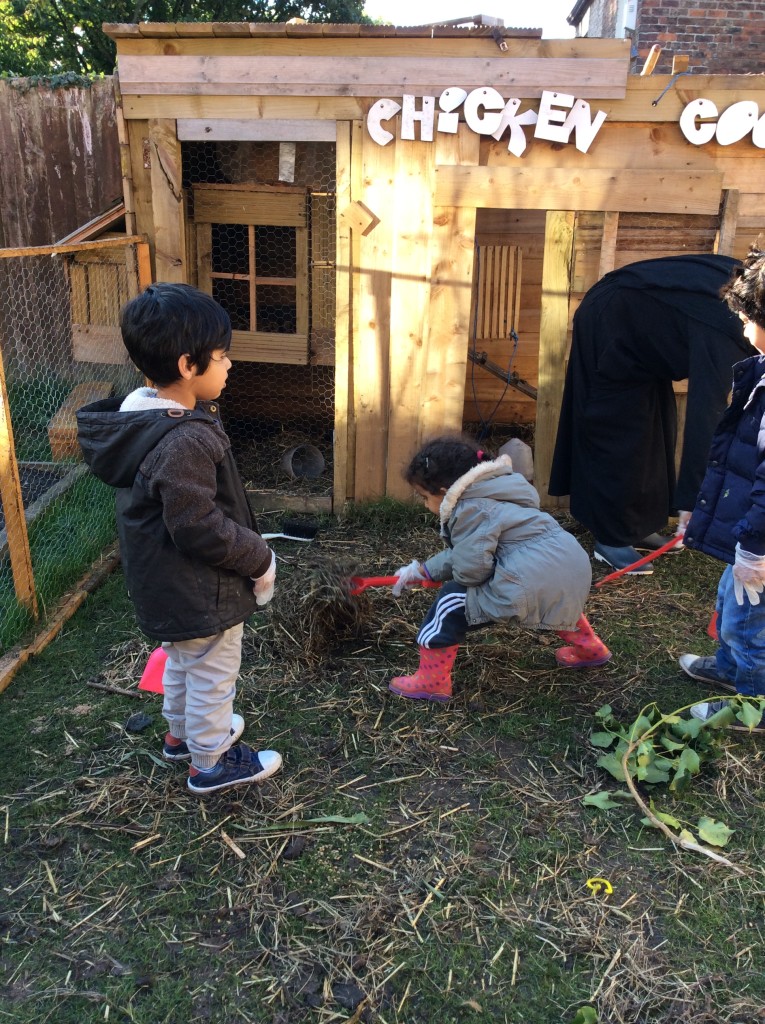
{"x": 262, "y": 239}
{"x": 61, "y": 348}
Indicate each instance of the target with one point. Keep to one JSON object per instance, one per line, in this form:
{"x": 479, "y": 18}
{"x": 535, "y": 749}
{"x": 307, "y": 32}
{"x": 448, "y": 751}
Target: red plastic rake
{"x": 641, "y": 561}
{"x": 361, "y": 583}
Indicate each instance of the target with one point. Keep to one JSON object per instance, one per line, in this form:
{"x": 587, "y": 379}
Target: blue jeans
{"x": 741, "y": 635}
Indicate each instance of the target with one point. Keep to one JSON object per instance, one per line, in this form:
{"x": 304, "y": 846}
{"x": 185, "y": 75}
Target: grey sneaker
{"x": 620, "y": 558}
{"x": 654, "y": 541}
{"x": 705, "y": 670}
{"x": 705, "y": 710}
{"x": 180, "y": 751}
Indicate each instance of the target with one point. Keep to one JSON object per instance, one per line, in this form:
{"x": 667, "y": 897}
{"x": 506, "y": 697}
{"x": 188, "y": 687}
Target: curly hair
{"x": 442, "y": 461}
{"x": 745, "y": 292}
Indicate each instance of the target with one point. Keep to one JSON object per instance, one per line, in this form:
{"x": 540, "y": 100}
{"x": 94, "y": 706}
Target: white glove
{"x": 683, "y": 518}
{"x": 264, "y": 585}
{"x": 748, "y": 575}
{"x": 408, "y": 576}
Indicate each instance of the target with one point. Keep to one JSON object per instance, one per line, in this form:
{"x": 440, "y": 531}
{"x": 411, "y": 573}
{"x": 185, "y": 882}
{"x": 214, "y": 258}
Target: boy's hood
{"x": 494, "y": 479}
{"x": 114, "y": 443}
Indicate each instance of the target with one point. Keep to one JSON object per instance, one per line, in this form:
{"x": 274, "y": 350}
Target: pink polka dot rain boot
{"x": 432, "y": 680}
{"x": 587, "y": 650}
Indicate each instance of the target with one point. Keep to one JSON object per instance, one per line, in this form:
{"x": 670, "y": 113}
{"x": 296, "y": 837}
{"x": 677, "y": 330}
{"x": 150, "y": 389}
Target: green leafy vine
{"x": 659, "y": 749}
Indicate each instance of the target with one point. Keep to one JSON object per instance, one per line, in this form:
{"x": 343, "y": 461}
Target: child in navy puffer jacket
{"x": 728, "y": 521}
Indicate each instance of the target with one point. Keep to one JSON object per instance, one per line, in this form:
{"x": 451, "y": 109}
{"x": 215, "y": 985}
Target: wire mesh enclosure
{"x": 261, "y": 218}
{"x": 60, "y": 349}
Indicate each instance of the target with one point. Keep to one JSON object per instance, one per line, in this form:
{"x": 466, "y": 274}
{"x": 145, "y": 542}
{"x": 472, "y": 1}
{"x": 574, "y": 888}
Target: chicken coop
{"x": 402, "y": 222}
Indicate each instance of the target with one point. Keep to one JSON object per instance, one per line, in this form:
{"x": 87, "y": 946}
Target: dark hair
{"x": 442, "y": 461}
{"x": 745, "y": 292}
{"x": 167, "y": 321}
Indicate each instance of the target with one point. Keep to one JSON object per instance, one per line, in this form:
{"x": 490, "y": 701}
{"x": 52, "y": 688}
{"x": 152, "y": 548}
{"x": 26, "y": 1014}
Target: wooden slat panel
{"x": 399, "y": 46}
{"x": 637, "y": 106}
{"x": 240, "y": 130}
{"x": 78, "y": 290}
{"x": 236, "y": 205}
{"x": 372, "y": 339}
{"x": 342, "y": 327}
{"x": 410, "y": 301}
{"x": 369, "y": 76}
{"x": 556, "y": 287}
{"x": 96, "y": 343}
{"x": 558, "y": 188}
{"x": 608, "y": 243}
{"x": 340, "y": 108}
{"x": 104, "y": 292}
{"x": 726, "y": 234}
{"x": 751, "y": 214}
{"x": 497, "y": 280}
{"x": 443, "y": 392}
{"x": 260, "y": 347}
{"x": 167, "y": 201}
{"x": 301, "y": 284}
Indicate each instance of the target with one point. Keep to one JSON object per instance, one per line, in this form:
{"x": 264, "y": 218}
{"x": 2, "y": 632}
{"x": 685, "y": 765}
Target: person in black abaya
{"x": 636, "y": 331}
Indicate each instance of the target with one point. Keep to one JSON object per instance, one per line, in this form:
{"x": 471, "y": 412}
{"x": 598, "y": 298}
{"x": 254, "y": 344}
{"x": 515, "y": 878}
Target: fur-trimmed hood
{"x": 491, "y": 479}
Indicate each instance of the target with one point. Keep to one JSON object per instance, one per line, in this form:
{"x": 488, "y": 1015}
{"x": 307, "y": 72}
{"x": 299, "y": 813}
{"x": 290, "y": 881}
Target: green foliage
{"x": 585, "y": 1015}
{"x": 49, "y": 37}
{"x": 667, "y": 750}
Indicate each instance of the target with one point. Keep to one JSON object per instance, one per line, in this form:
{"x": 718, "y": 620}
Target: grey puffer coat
{"x": 516, "y": 561}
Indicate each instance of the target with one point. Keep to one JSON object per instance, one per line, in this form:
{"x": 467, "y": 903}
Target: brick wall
{"x": 721, "y": 37}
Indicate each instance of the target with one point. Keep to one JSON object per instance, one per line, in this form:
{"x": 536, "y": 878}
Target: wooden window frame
{"x": 255, "y": 206}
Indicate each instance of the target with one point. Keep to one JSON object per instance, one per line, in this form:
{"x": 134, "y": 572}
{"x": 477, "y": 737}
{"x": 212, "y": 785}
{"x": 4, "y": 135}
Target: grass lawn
{"x": 413, "y": 863}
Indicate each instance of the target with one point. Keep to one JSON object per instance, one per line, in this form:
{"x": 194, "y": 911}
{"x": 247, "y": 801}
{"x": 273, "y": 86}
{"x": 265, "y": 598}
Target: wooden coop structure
{"x": 482, "y": 180}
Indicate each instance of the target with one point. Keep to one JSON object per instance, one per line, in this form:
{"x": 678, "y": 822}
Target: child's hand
{"x": 683, "y": 518}
{"x": 748, "y": 576}
{"x": 264, "y": 585}
{"x": 409, "y": 576}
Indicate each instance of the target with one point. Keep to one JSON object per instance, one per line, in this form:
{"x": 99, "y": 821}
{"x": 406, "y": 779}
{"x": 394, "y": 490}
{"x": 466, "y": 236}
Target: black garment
{"x": 186, "y": 532}
{"x": 637, "y": 330}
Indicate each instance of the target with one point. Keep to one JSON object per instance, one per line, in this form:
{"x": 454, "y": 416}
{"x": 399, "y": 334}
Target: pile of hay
{"x": 313, "y": 605}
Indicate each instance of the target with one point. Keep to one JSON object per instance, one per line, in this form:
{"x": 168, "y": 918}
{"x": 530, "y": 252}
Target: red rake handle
{"x": 361, "y": 583}
{"x": 641, "y": 561}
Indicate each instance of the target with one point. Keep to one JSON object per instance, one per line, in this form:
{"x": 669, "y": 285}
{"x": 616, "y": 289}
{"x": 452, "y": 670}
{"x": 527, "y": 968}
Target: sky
{"x": 549, "y": 15}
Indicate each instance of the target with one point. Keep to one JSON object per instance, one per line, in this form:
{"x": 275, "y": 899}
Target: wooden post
{"x": 342, "y": 316}
{"x": 13, "y": 507}
{"x": 167, "y": 201}
{"x": 725, "y": 238}
{"x": 451, "y": 286}
{"x": 553, "y": 337}
{"x": 144, "y": 265}
{"x": 411, "y": 203}
{"x": 372, "y": 340}
{"x": 608, "y": 243}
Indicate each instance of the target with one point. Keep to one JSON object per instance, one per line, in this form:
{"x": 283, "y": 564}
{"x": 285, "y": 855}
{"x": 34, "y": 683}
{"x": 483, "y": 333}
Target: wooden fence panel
{"x": 59, "y": 159}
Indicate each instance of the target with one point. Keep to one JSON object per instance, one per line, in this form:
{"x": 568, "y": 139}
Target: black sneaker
{"x": 654, "y": 541}
{"x": 237, "y": 767}
{"x": 705, "y": 711}
{"x": 180, "y": 751}
{"x": 620, "y": 558}
{"x": 705, "y": 670}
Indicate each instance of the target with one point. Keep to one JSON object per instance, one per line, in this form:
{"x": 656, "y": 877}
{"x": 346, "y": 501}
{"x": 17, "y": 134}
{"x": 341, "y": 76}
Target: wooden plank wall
{"x": 59, "y": 159}
{"x": 404, "y": 274}
{"x": 414, "y": 279}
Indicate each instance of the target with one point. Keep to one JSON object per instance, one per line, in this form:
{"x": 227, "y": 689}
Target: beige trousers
{"x": 200, "y": 684}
